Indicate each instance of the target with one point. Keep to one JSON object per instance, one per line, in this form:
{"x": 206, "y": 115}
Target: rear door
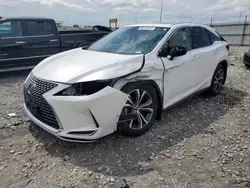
{"x": 42, "y": 39}
{"x": 219, "y": 48}
{"x": 204, "y": 56}
{"x": 13, "y": 46}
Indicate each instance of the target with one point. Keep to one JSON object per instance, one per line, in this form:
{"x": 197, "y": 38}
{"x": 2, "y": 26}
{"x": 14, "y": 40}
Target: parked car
{"x": 24, "y": 42}
{"x": 101, "y": 28}
{"x": 124, "y": 80}
{"x": 246, "y": 58}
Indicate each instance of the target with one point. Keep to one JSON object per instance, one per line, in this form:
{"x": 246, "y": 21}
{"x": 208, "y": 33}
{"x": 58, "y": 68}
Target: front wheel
{"x": 143, "y": 103}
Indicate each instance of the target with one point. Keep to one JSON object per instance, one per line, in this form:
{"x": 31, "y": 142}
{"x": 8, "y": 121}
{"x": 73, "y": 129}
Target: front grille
{"x": 37, "y": 105}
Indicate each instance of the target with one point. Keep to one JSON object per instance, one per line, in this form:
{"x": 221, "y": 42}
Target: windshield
{"x": 131, "y": 40}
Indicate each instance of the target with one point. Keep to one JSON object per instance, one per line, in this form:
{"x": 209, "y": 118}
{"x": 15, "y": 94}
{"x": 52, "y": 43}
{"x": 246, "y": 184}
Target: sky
{"x": 93, "y": 12}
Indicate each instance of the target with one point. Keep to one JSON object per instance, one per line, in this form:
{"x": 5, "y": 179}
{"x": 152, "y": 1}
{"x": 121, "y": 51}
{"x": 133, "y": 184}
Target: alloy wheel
{"x": 140, "y": 103}
{"x": 218, "y": 80}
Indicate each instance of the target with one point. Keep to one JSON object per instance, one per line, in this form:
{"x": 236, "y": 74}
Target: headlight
{"x": 70, "y": 91}
{"x": 84, "y": 88}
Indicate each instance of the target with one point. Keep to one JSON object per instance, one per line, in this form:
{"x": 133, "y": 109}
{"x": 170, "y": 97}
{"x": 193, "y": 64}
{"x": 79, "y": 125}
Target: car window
{"x": 10, "y": 29}
{"x": 181, "y": 38}
{"x": 200, "y": 38}
{"x": 213, "y": 37}
{"x": 131, "y": 40}
{"x": 36, "y": 28}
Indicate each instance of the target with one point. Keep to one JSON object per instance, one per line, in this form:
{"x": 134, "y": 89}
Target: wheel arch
{"x": 158, "y": 91}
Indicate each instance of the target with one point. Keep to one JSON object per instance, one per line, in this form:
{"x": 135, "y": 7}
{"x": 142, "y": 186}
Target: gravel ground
{"x": 203, "y": 143}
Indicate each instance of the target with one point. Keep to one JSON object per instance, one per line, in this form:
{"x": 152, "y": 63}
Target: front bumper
{"x": 246, "y": 58}
{"x": 82, "y": 118}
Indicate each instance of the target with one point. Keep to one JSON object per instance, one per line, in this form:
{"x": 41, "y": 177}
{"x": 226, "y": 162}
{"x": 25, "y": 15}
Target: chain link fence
{"x": 236, "y": 33}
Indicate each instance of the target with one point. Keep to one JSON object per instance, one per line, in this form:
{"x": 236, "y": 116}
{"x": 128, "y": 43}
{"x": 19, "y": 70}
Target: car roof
{"x": 173, "y": 24}
{"x": 149, "y": 25}
{"x": 27, "y": 18}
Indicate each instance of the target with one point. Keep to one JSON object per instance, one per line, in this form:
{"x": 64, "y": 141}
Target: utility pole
{"x": 244, "y": 32}
{"x": 67, "y": 21}
{"x": 211, "y": 22}
{"x": 240, "y": 16}
{"x": 136, "y": 18}
{"x": 161, "y": 10}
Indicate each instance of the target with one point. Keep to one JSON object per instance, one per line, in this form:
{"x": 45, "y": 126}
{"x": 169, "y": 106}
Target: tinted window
{"x": 36, "y": 28}
{"x": 200, "y": 37}
{"x": 181, "y": 38}
{"x": 213, "y": 37}
{"x": 10, "y": 29}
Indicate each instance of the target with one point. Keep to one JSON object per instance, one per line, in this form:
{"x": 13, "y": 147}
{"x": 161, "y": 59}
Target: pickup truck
{"x": 24, "y": 42}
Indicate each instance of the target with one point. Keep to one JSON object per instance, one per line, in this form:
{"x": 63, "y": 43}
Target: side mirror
{"x": 163, "y": 52}
{"x": 176, "y": 52}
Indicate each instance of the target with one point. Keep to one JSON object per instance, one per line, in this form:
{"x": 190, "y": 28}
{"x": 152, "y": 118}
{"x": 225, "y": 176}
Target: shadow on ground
{"x": 14, "y": 74}
{"x": 121, "y": 154}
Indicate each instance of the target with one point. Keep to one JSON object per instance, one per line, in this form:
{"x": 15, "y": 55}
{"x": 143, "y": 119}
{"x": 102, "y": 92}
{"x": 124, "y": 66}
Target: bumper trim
{"x": 96, "y": 122}
{"x": 127, "y": 117}
{"x": 39, "y": 123}
{"x": 55, "y": 131}
{"x": 89, "y": 133}
{"x": 76, "y": 139}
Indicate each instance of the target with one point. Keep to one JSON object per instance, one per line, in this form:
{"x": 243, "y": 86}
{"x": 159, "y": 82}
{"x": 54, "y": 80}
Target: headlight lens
{"x": 70, "y": 91}
{"x": 85, "y": 88}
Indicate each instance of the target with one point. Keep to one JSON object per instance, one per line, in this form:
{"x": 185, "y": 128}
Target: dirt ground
{"x": 203, "y": 143}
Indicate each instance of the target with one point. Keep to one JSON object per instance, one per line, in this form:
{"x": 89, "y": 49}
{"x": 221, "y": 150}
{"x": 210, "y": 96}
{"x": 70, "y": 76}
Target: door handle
{"x": 54, "y": 40}
{"x": 20, "y": 42}
{"x": 195, "y": 57}
{"x": 216, "y": 51}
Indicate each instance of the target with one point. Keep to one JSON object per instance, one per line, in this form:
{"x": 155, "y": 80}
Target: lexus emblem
{"x": 31, "y": 87}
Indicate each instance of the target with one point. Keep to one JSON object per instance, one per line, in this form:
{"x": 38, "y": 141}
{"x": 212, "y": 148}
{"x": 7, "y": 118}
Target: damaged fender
{"x": 150, "y": 71}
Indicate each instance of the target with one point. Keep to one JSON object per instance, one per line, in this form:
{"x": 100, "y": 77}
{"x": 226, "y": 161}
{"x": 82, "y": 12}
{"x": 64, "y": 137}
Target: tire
{"x": 247, "y": 66}
{"x": 218, "y": 81}
{"x": 146, "y": 114}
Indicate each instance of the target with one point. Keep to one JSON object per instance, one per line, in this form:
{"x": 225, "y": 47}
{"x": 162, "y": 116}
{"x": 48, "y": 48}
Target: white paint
{"x": 69, "y": 66}
{"x": 176, "y": 79}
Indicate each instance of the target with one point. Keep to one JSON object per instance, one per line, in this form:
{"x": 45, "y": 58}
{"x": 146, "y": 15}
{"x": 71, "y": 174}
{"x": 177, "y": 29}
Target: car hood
{"x": 80, "y": 65}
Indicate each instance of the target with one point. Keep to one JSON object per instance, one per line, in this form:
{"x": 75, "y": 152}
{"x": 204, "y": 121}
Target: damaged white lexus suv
{"x": 125, "y": 80}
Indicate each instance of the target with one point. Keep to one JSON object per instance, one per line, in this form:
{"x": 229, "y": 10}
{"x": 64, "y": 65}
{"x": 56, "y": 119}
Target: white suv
{"x": 124, "y": 81}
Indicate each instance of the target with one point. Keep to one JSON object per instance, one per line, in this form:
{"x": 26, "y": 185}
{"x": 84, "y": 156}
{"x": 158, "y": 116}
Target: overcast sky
{"x": 91, "y": 12}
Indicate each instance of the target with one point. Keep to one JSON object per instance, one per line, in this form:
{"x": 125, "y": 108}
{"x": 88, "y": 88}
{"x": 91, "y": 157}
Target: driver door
{"x": 180, "y": 72}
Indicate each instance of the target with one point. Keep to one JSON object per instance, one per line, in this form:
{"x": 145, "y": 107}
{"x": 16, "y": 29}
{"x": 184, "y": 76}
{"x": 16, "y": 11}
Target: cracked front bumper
{"x": 83, "y": 118}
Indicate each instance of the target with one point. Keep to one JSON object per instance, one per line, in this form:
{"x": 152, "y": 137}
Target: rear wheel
{"x": 143, "y": 102}
{"x": 218, "y": 81}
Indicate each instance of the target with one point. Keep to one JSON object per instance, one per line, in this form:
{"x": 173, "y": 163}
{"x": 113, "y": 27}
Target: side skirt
{"x": 184, "y": 100}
